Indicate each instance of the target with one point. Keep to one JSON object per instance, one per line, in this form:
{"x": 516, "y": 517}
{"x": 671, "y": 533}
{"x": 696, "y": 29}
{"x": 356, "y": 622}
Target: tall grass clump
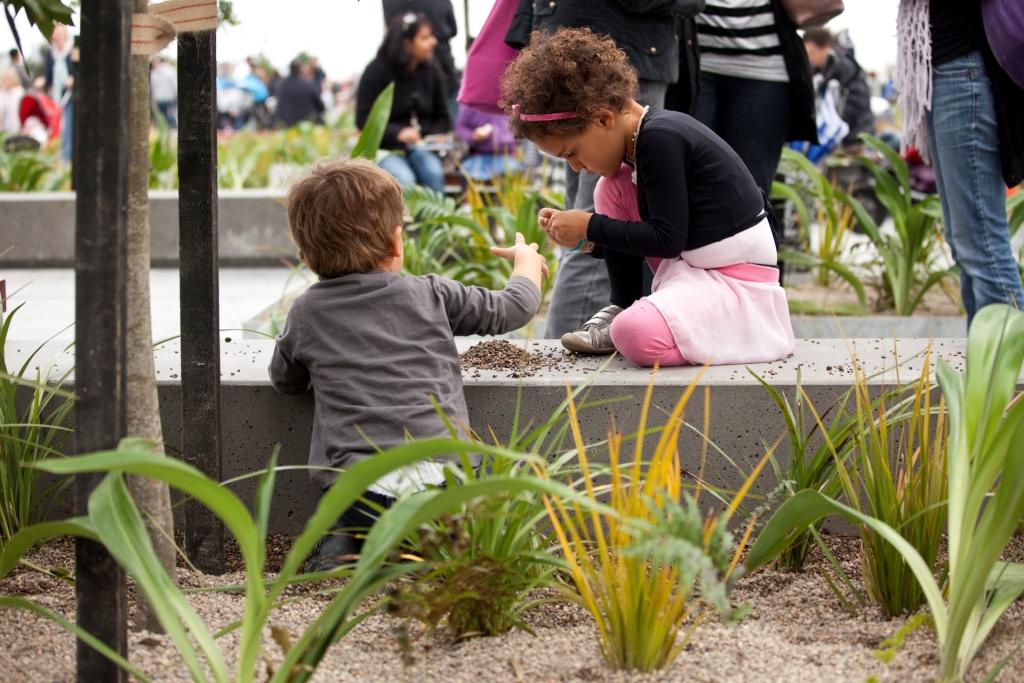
{"x": 813, "y": 454}
{"x": 114, "y": 520}
{"x": 985, "y": 480}
{"x": 897, "y": 475}
{"x": 647, "y": 596}
{"x": 28, "y": 434}
{"x": 483, "y": 564}
{"x": 910, "y": 255}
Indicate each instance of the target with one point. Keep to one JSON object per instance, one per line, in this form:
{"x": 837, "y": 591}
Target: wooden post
{"x": 101, "y": 107}
{"x": 200, "y": 324}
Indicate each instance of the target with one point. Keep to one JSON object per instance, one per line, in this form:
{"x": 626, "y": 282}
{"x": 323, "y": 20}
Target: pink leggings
{"x": 640, "y": 332}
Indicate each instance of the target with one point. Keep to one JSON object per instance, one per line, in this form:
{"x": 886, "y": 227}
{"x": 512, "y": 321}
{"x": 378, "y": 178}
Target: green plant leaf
{"x": 377, "y": 121}
{"x": 789, "y": 194}
{"x": 844, "y": 272}
{"x": 31, "y": 536}
{"x": 896, "y": 162}
{"x": 124, "y": 535}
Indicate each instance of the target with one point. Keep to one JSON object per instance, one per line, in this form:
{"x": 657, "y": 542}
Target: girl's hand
{"x": 565, "y": 228}
{"x": 526, "y": 259}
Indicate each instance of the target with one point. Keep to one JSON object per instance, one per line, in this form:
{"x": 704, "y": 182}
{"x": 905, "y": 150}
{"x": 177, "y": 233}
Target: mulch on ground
{"x": 798, "y": 630}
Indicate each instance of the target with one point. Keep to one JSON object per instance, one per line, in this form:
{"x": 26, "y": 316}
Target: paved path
{"x": 49, "y": 297}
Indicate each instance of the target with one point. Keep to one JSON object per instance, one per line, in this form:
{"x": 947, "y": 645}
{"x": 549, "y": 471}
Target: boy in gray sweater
{"x": 375, "y": 345}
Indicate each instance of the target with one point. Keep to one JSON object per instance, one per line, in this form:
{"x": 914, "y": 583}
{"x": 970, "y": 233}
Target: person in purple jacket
{"x": 491, "y": 144}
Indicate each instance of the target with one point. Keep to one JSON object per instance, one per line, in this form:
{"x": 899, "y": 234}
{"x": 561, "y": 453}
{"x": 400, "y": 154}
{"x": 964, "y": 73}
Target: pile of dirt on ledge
{"x": 501, "y": 354}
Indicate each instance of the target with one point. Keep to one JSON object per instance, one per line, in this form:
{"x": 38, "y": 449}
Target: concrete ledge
{"x": 253, "y": 228}
{"x": 885, "y": 326}
{"x": 742, "y": 416}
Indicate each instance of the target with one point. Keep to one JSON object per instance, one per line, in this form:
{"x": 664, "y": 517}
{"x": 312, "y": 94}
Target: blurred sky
{"x": 345, "y": 34}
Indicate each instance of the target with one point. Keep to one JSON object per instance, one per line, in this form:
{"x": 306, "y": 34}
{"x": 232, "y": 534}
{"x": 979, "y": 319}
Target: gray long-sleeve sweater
{"x": 374, "y": 347}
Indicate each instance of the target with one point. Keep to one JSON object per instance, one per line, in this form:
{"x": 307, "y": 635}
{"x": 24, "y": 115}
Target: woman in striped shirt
{"x": 755, "y": 82}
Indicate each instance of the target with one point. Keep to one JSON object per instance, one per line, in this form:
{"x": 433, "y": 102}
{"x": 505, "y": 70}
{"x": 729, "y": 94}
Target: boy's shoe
{"x": 596, "y": 335}
{"x": 333, "y": 550}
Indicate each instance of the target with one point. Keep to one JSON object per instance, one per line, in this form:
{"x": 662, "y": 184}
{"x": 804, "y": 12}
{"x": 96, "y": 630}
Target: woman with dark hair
{"x": 406, "y": 57}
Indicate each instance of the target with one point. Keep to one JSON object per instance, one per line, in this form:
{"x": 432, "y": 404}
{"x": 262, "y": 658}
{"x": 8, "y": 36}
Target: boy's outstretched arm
{"x": 477, "y": 310}
{"x": 527, "y": 261}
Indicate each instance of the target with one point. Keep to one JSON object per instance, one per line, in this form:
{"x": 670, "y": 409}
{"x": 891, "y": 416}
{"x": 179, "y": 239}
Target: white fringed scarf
{"x": 914, "y": 72}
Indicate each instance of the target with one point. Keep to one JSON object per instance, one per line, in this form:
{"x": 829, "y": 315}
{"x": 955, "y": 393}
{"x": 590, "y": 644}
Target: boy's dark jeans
{"x": 360, "y": 516}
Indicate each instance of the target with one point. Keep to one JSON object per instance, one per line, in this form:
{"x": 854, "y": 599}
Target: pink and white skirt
{"x": 713, "y": 305}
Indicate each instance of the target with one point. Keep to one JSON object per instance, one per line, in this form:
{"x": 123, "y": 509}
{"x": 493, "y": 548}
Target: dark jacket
{"x": 297, "y": 100}
{"x": 682, "y": 95}
{"x": 442, "y": 19}
{"x": 802, "y": 124}
{"x": 1009, "y": 105}
{"x": 421, "y": 91}
{"x": 645, "y": 29}
{"x": 855, "y": 96}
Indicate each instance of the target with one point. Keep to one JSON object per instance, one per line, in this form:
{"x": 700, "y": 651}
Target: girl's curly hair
{"x": 573, "y": 69}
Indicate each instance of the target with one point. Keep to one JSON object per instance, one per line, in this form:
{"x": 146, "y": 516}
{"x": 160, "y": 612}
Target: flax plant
{"x": 114, "y": 520}
{"x": 897, "y": 474}
{"x": 985, "y": 478}
{"x": 813, "y": 454}
{"x": 29, "y": 432}
{"x": 646, "y": 606}
{"x": 909, "y": 254}
{"x": 834, "y": 221}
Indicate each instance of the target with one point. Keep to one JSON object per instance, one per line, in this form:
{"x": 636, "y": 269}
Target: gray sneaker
{"x": 596, "y": 336}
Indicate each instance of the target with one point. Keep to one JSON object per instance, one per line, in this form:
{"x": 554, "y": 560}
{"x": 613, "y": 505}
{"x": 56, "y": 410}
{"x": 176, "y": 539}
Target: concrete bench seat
{"x": 743, "y": 418}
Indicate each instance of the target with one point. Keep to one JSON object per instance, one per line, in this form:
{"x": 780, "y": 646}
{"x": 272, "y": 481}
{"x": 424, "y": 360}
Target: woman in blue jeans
{"x": 972, "y": 129}
{"x": 419, "y": 109}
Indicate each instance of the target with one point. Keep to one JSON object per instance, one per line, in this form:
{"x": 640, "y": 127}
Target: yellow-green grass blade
{"x": 376, "y": 122}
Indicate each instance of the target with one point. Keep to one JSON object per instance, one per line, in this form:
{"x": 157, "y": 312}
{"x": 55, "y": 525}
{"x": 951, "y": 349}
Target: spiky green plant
{"x": 814, "y": 451}
{"x": 646, "y": 603}
{"x": 114, "y": 520}
{"x": 910, "y": 254}
{"x": 897, "y": 474}
{"x": 985, "y": 478}
{"x": 833, "y": 221}
{"x": 28, "y": 434}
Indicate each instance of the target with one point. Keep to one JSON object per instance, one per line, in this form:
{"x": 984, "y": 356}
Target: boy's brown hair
{"x": 343, "y": 216}
{"x": 571, "y": 70}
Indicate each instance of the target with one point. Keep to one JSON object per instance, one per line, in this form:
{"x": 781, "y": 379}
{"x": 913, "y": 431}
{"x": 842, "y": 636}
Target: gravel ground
{"x": 797, "y": 631}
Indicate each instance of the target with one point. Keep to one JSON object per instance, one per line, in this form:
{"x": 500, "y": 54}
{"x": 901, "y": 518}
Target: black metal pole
{"x": 200, "y": 325}
{"x": 100, "y": 169}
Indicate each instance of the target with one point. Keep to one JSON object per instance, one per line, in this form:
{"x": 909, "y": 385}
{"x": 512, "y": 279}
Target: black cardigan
{"x": 645, "y": 29}
{"x": 802, "y": 124}
{"x": 692, "y": 190}
{"x": 422, "y": 90}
